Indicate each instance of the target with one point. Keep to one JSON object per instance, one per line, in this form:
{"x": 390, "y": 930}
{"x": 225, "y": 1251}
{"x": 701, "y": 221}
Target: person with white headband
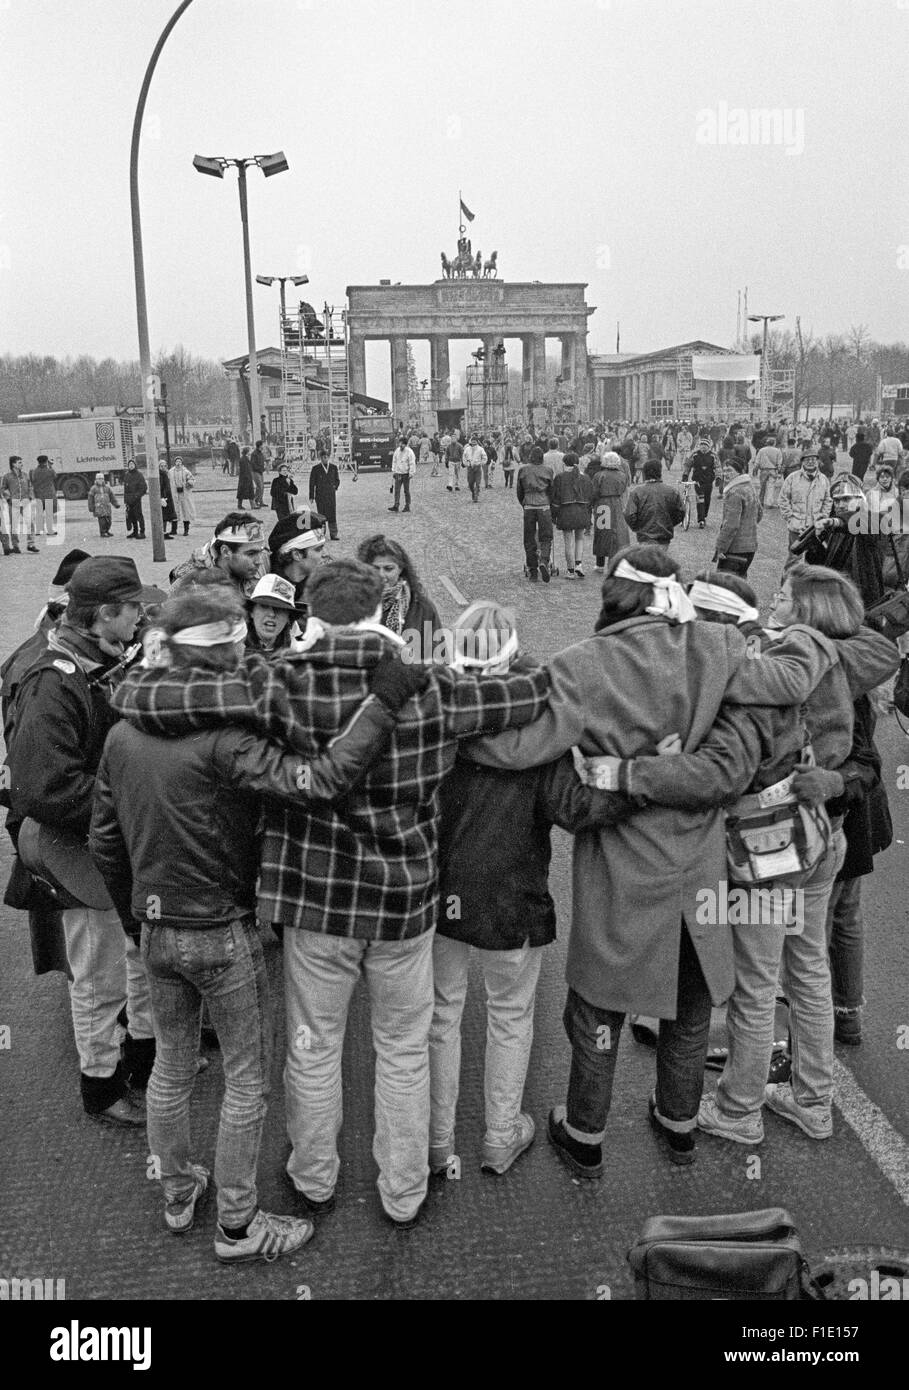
{"x": 296, "y": 546}
{"x": 236, "y": 550}
{"x": 638, "y": 942}
{"x": 174, "y": 834}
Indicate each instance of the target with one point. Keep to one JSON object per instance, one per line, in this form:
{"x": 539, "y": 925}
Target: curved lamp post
{"x": 145, "y": 366}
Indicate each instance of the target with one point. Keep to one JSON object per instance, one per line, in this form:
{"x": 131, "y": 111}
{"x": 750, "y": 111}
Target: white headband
{"x": 713, "y": 598}
{"x": 306, "y": 540}
{"x": 242, "y": 535}
{"x": 209, "y": 634}
{"x": 461, "y": 662}
{"x": 669, "y": 598}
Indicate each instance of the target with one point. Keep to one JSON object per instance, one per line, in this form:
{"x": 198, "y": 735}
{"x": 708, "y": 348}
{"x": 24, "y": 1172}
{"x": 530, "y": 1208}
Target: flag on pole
{"x": 465, "y": 211}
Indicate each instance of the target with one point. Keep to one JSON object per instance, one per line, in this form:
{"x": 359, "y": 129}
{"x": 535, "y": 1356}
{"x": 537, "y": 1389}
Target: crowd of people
{"x": 293, "y": 743}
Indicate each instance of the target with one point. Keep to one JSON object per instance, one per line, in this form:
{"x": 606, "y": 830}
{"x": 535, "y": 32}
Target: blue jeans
{"x": 681, "y": 1054}
{"x": 537, "y": 536}
{"x": 225, "y": 967}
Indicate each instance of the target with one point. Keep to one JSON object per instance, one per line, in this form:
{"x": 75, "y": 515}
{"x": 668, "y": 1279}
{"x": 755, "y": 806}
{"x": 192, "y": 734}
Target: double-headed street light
{"x": 766, "y": 382}
{"x": 269, "y": 164}
{"x": 282, "y": 281}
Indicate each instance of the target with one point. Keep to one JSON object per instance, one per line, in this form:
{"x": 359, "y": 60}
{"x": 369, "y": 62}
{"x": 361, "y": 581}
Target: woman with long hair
{"x": 406, "y": 608}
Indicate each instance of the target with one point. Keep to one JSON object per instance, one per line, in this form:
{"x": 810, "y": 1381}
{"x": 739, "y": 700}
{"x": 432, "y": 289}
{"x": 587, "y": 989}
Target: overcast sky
{"x": 575, "y": 128}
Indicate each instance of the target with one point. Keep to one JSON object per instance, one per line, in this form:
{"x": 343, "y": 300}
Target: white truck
{"x": 79, "y": 444}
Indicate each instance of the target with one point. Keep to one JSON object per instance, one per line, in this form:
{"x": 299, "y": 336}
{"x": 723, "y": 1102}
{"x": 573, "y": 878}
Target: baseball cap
{"x": 275, "y": 592}
{"x": 106, "y": 579}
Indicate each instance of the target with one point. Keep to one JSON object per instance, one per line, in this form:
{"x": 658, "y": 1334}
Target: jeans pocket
{"x": 206, "y": 950}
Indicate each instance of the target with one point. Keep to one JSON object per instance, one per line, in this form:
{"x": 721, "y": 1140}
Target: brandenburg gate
{"x": 489, "y": 309}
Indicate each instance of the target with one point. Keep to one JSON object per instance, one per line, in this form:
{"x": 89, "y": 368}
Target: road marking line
{"x": 877, "y": 1136}
{"x": 453, "y": 590}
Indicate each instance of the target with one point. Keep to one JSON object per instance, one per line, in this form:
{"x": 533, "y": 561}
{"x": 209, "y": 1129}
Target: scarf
{"x": 395, "y": 605}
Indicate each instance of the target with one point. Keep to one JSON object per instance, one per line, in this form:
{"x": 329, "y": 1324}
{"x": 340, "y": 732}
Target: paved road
{"x": 77, "y": 1203}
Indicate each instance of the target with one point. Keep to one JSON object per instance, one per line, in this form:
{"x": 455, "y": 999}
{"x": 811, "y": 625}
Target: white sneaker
{"x": 743, "y": 1129}
{"x": 440, "y": 1155}
{"x": 267, "y": 1237}
{"x": 498, "y": 1157}
{"x": 814, "y": 1120}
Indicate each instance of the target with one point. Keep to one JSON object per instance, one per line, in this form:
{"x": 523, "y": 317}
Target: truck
{"x": 79, "y": 444}
{"x": 374, "y": 438}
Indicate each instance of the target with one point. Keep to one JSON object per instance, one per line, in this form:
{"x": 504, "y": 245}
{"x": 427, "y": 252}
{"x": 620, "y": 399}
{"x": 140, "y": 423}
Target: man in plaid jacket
{"x": 357, "y": 879}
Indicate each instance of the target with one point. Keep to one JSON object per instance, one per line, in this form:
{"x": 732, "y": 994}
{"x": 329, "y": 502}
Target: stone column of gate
{"x": 568, "y": 358}
{"x": 539, "y": 367}
{"x": 399, "y": 379}
{"x": 526, "y": 365}
{"x": 356, "y": 362}
{"x": 579, "y": 376}
{"x": 439, "y": 372}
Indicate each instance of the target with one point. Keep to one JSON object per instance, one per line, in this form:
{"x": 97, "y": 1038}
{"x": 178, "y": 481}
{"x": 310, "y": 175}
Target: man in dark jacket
{"x": 534, "y": 492}
{"x": 44, "y": 490}
{"x": 702, "y": 469}
{"x": 860, "y": 453}
{"x": 134, "y": 489}
{"x": 257, "y": 465}
{"x": 62, "y": 715}
{"x": 188, "y": 880}
{"x": 654, "y": 509}
{"x": 324, "y": 481}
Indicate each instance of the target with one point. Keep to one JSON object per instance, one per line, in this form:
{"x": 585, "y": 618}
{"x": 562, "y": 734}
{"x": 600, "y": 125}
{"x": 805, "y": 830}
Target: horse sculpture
{"x": 490, "y": 268}
{"x": 463, "y": 264}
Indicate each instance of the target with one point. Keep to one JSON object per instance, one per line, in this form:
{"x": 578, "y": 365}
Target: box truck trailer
{"x": 78, "y": 443}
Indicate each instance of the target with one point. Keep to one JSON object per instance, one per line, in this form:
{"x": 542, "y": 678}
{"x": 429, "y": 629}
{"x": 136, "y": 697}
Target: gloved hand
{"x": 394, "y": 681}
{"x": 816, "y": 784}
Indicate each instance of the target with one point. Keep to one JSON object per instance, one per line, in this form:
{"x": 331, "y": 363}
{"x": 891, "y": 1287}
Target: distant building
{"x": 647, "y": 385}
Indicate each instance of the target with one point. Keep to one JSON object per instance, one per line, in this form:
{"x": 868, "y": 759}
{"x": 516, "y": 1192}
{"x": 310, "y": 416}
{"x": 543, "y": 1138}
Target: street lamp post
{"x": 269, "y": 164}
{"x": 282, "y": 281}
{"x": 149, "y": 409}
{"x": 766, "y": 383}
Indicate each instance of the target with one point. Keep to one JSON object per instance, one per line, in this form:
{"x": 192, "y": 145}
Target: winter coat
{"x": 653, "y": 511}
{"x": 572, "y": 495}
{"x": 101, "y": 500}
{"x": 741, "y": 514}
{"x": 803, "y": 500}
{"x": 168, "y": 511}
{"x": 134, "y": 486}
{"x": 181, "y": 484}
{"x": 282, "y": 489}
{"x": 867, "y": 824}
{"x": 610, "y": 531}
{"x": 246, "y": 488}
{"x": 323, "y": 484}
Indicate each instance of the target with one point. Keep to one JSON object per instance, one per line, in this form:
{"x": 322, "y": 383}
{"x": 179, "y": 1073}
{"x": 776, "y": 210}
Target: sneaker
{"x": 579, "y": 571}
{"x": 268, "y": 1237}
{"x": 570, "y": 574}
{"x": 123, "y": 1113}
{"x": 439, "y": 1156}
{"x": 847, "y": 1026}
{"x": 682, "y": 1147}
{"x": 814, "y": 1120}
{"x": 448, "y": 487}
{"x": 406, "y": 509}
{"x": 742, "y": 1129}
{"x": 498, "y": 1158}
{"x": 585, "y": 1160}
{"x": 532, "y": 576}
{"x": 180, "y": 1215}
{"x": 544, "y": 572}
{"x": 33, "y": 549}
{"x": 392, "y": 509}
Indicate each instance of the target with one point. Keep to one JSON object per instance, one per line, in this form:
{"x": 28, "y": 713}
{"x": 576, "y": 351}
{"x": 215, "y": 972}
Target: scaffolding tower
{"x": 686, "y": 398}
{"x": 487, "y": 392}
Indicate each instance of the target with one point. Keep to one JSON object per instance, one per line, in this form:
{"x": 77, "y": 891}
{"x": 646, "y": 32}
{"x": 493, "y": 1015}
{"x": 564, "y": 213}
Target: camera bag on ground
{"x": 749, "y": 1255}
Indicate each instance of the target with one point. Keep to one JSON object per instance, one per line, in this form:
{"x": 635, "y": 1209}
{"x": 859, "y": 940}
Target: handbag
{"x": 770, "y": 835}
{"x": 893, "y": 611}
{"x": 755, "y": 1256}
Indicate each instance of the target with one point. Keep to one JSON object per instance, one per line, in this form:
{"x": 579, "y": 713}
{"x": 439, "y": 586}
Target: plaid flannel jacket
{"x": 366, "y": 865}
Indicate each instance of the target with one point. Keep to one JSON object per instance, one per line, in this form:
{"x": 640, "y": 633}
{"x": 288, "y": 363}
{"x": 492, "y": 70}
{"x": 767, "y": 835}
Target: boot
{"x": 138, "y": 1060}
{"x": 186, "y": 528}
